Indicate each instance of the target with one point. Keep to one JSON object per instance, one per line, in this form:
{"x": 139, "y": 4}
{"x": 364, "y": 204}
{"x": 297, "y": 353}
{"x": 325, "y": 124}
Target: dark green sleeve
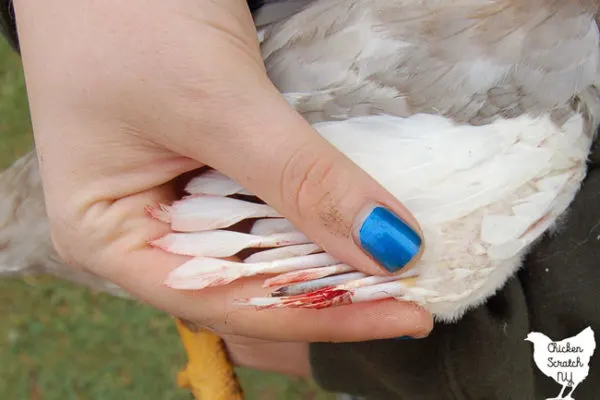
{"x": 8, "y": 29}
{"x": 484, "y": 356}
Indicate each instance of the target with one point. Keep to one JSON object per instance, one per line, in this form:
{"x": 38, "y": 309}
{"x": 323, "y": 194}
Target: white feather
{"x": 201, "y": 272}
{"x": 220, "y": 243}
{"x": 269, "y": 226}
{"x": 283, "y": 252}
{"x": 214, "y": 183}
{"x": 203, "y": 213}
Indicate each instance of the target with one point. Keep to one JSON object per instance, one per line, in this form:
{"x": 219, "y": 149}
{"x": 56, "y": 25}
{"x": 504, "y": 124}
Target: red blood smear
{"x": 331, "y": 294}
{"x": 318, "y": 299}
{"x": 323, "y": 298}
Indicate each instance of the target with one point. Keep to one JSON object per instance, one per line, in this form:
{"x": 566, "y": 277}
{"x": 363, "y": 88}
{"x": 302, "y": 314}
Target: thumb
{"x": 277, "y": 155}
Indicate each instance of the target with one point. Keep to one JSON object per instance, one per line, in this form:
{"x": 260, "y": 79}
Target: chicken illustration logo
{"x": 565, "y": 361}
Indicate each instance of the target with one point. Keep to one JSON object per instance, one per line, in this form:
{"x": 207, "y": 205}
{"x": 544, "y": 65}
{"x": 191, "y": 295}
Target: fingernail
{"x": 388, "y": 239}
{"x": 404, "y": 338}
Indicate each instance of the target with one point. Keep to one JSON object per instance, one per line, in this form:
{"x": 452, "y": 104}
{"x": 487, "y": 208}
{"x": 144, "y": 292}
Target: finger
{"x": 290, "y": 358}
{"x": 214, "y": 308}
{"x": 143, "y": 274}
{"x": 124, "y": 257}
{"x": 333, "y": 201}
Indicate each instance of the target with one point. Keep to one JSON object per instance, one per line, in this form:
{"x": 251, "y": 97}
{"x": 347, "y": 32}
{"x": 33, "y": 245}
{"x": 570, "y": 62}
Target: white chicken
{"x": 478, "y": 116}
{"x": 565, "y": 361}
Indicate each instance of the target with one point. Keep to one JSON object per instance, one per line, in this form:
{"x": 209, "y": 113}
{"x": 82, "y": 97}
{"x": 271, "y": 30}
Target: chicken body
{"x": 468, "y": 60}
{"x": 502, "y": 66}
{"x": 478, "y": 116}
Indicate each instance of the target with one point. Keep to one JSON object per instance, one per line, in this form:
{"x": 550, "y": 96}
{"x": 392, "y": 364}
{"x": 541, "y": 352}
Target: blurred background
{"x": 62, "y": 342}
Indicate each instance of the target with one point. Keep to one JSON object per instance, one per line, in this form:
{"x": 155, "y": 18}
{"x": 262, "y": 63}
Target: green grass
{"x": 62, "y": 342}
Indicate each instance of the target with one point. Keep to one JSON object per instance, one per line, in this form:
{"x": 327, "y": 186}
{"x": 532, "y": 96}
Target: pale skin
{"x": 125, "y": 97}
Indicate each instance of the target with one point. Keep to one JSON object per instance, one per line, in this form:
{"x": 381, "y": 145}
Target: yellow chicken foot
{"x": 208, "y": 374}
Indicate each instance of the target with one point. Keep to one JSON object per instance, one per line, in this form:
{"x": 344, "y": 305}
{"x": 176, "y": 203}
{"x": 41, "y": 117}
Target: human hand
{"x": 289, "y": 358}
{"x": 127, "y": 96}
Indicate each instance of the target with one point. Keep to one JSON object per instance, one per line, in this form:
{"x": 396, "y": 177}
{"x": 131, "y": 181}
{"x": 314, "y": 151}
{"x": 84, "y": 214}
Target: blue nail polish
{"x": 388, "y": 239}
{"x": 404, "y": 338}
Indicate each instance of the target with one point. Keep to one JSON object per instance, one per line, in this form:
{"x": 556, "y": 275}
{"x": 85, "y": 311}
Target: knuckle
{"x": 74, "y": 240}
{"x": 315, "y": 186}
{"x": 424, "y": 321}
{"x": 62, "y": 245}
